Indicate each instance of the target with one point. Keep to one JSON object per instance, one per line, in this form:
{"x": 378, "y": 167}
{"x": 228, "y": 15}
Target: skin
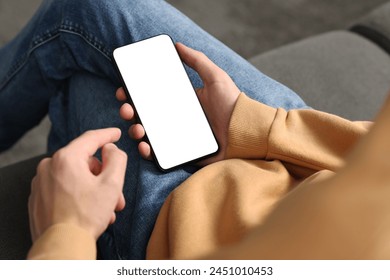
{"x": 344, "y": 217}
{"x": 345, "y": 211}
{"x": 219, "y": 91}
{"x": 74, "y": 187}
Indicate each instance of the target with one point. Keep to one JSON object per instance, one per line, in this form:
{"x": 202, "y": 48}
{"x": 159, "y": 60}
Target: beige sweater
{"x": 220, "y": 211}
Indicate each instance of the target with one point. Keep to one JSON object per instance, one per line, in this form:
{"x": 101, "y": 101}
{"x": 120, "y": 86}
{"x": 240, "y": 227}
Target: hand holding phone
{"x": 161, "y": 93}
{"x": 218, "y": 98}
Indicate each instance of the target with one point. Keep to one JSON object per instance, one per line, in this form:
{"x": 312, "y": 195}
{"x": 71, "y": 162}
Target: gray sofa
{"x": 345, "y": 72}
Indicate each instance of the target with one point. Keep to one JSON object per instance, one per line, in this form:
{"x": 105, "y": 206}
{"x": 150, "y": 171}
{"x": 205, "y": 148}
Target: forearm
{"x": 62, "y": 242}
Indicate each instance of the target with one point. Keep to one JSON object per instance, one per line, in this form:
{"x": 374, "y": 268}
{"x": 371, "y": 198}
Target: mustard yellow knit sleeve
{"x": 302, "y": 139}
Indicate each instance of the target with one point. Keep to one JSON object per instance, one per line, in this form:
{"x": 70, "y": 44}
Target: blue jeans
{"x": 60, "y": 65}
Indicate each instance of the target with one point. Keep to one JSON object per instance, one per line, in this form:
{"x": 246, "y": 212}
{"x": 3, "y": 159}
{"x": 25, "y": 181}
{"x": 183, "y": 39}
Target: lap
{"x": 71, "y": 44}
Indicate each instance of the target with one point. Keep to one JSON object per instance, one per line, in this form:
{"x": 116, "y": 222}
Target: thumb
{"x": 207, "y": 70}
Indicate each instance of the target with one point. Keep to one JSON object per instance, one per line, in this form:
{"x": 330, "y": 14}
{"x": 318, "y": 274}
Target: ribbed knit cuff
{"x": 249, "y": 129}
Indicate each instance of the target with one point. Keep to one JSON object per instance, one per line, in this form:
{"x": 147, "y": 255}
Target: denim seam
{"x": 93, "y": 41}
{"x": 50, "y": 35}
{"x": 19, "y": 64}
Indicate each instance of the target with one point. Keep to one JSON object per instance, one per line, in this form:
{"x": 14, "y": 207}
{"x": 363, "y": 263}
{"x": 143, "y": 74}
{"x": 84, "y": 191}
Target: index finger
{"x": 89, "y": 142}
{"x": 207, "y": 70}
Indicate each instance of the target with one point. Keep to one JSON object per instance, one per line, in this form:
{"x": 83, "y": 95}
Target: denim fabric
{"x": 61, "y": 64}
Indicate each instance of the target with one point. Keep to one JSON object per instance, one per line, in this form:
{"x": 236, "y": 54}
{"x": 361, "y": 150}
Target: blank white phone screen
{"x": 165, "y": 101}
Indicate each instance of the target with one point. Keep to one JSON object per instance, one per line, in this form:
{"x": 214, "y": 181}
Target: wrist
{"x": 76, "y": 221}
{"x": 64, "y": 241}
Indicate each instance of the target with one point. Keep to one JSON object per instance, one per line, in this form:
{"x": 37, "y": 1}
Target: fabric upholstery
{"x": 15, "y": 181}
{"x": 338, "y": 72}
{"x": 376, "y": 26}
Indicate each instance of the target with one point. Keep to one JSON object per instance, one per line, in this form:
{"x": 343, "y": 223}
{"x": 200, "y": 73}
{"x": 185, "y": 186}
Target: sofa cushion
{"x": 376, "y": 26}
{"x": 15, "y": 181}
{"x": 338, "y": 72}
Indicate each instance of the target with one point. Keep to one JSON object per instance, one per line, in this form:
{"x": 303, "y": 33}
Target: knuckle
{"x": 199, "y": 58}
{"x": 122, "y": 155}
{"x": 33, "y": 184}
{"x": 111, "y": 181}
{"x": 199, "y": 54}
{"x": 60, "y": 155}
{"x": 43, "y": 165}
{"x": 62, "y": 158}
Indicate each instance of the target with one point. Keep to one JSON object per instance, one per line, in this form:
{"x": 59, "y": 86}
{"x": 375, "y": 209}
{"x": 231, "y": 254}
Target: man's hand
{"x": 218, "y": 98}
{"x": 75, "y": 187}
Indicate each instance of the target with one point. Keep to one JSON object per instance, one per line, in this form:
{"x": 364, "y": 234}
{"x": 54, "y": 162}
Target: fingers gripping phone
{"x": 165, "y": 102}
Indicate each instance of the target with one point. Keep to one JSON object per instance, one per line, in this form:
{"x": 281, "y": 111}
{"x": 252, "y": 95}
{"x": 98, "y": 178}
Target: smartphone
{"x": 166, "y": 104}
